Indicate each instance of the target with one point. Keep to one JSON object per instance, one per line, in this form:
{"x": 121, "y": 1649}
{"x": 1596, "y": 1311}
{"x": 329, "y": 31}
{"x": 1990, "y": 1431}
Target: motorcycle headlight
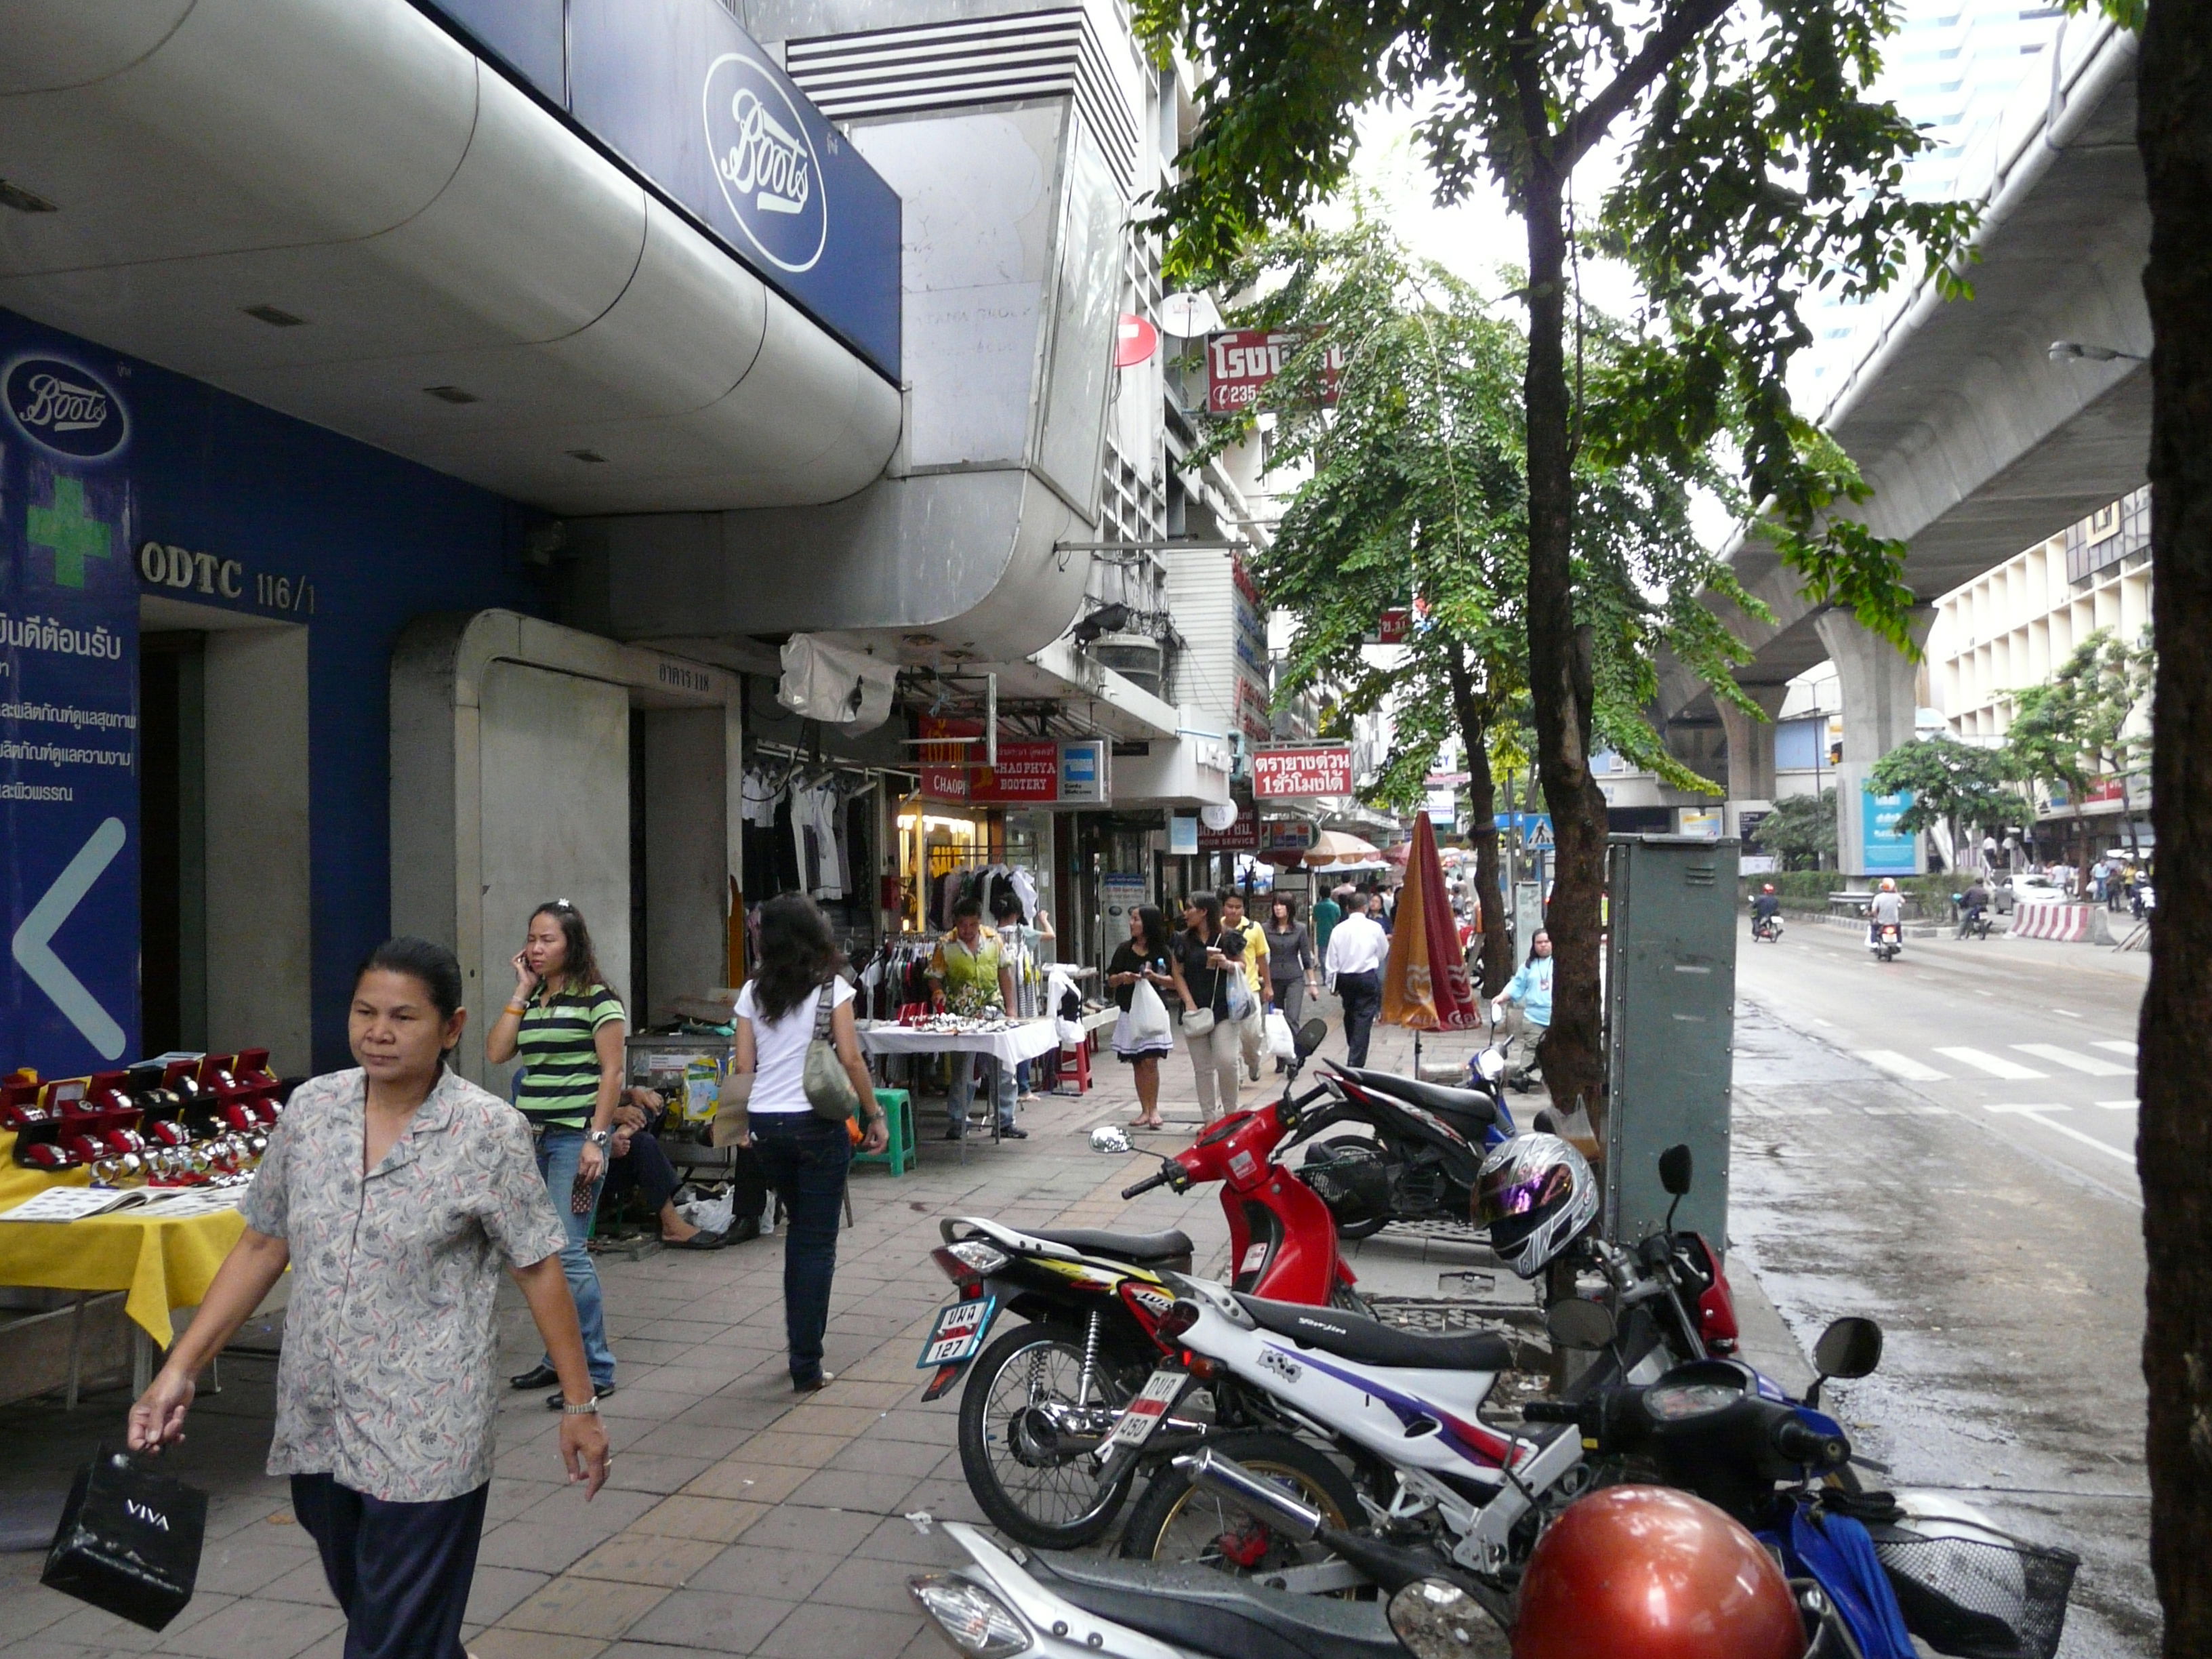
{"x": 969, "y": 1617}
{"x": 1678, "y": 1402}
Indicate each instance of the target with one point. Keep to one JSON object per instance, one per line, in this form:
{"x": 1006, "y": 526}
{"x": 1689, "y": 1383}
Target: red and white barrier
{"x": 2069, "y": 924}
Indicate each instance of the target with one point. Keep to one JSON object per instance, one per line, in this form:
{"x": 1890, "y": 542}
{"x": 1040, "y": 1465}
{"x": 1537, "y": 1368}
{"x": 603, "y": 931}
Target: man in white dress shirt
{"x": 1356, "y": 950}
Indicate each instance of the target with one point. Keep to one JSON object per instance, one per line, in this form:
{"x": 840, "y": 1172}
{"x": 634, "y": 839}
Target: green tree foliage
{"x": 1754, "y": 169}
{"x": 1415, "y": 497}
{"x": 1952, "y": 782}
{"x": 2071, "y": 731}
{"x": 1801, "y": 831}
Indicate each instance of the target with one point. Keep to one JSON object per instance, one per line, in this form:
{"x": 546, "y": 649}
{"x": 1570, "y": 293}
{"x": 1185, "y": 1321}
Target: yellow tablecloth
{"x": 162, "y": 1264}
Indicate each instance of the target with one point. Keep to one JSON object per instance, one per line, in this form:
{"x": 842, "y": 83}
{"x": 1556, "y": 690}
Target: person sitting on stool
{"x": 639, "y": 1161}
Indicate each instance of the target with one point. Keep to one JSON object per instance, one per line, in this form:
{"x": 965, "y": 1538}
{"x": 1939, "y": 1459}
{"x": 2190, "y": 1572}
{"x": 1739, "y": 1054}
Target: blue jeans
{"x": 1001, "y": 1086}
{"x": 558, "y": 1151}
{"x": 804, "y": 1157}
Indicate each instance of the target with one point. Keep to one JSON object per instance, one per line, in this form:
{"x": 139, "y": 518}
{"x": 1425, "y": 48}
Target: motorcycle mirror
{"x": 1851, "y": 1347}
{"x": 1675, "y": 1167}
{"x": 1310, "y": 1036}
{"x": 1575, "y": 1324}
{"x": 1436, "y": 1619}
{"x": 1109, "y": 1138}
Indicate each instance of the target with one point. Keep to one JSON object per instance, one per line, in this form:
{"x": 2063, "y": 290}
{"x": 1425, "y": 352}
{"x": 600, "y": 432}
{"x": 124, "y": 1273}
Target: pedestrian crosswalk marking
{"x": 2117, "y": 1105}
{"x": 1995, "y": 1064}
{"x": 2066, "y": 1057}
{"x": 1902, "y": 1065}
{"x": 2117, "y": 1045}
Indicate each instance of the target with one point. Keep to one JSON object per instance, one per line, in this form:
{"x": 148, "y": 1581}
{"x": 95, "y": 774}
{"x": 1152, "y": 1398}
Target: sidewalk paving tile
{"x": 571, "y": 1605}
{"x": 716, "y": 1519}
{"x": 645, "y": 1557}
{"x": 717, "y": 1620}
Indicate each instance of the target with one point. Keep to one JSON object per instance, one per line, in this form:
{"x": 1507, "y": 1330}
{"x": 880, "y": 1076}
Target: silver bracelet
{"x": 589, "y": 1408}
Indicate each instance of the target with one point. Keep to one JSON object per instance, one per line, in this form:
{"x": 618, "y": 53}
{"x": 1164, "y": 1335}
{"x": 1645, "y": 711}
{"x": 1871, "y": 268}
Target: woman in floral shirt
{"x": 397, "y": 1193}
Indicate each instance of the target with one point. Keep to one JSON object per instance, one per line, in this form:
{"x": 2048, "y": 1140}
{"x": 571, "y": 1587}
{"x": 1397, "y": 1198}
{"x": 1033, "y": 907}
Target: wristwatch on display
{"x": 599, "y": 1137}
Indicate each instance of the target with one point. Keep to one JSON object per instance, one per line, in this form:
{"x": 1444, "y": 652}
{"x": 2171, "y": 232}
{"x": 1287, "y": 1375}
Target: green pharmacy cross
{"x": 73, "y": 534}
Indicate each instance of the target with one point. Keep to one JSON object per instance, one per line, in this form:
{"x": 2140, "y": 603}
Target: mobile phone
{"x": 580, "y": 1195}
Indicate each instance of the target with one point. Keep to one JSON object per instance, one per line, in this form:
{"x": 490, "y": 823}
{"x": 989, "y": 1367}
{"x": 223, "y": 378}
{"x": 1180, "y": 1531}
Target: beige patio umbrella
{"x": 1335, "y": 850}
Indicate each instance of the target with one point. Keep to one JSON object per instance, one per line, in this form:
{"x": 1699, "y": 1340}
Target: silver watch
{"x": 589, "y": 1408}
{"x": 599, "y": 1137}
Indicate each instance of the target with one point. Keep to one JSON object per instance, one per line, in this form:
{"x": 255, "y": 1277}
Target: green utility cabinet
{"x": 1670, "y": 1026}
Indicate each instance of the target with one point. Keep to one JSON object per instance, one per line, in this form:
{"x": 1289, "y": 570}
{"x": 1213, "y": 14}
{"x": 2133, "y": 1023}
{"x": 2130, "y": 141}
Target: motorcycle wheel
{"x": 1174, "y": 1522}
{"x": 1367, "y": 1229}
{"x": 1052, "y": 1502}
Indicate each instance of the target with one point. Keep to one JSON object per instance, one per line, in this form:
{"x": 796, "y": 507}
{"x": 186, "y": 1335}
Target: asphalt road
{"x": 1946, "y": 1143}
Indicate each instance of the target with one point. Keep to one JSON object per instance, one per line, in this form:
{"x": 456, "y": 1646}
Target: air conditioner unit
{"x": 1136, "y": 658}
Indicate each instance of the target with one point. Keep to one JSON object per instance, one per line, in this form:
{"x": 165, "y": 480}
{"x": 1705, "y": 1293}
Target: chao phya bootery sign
{"x": 69, "y": 720}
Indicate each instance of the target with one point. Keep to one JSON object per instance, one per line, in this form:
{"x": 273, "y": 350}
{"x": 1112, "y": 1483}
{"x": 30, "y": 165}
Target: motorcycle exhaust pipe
{"x": 1224, "y": 1477}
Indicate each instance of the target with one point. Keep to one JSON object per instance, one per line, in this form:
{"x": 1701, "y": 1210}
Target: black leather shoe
{"x": 1013, "y": 1134}
{"x": 537, "y": 1376}
{"x": 556, "y": 1400}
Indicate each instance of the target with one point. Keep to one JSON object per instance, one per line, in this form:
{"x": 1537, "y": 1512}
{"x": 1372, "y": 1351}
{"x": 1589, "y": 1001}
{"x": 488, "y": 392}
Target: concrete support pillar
{"x": 1881, "y": 691}
{"x": 1750, "y": 758}
{"x": 1880, "y": 685}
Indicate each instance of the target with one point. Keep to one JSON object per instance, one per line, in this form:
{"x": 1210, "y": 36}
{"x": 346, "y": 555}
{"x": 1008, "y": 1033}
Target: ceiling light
{"x": 589, "y": 457}
{"x": 24, "y": 201}
{"x": 275, "y": 316}
{"x": 450, "y": 394}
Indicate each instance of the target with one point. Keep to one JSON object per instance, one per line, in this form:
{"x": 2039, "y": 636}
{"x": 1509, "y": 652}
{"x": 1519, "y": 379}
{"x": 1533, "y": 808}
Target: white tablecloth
{"x": 1025, "y": 1041}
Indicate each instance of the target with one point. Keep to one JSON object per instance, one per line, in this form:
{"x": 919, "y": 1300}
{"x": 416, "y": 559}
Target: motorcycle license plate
{"x": 959, "y": 1331}
{"x": 1149, "y": 1409}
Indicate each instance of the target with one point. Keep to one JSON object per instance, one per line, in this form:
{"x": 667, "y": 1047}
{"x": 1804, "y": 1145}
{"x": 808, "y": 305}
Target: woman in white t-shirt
{"x": 803, "y": 1157}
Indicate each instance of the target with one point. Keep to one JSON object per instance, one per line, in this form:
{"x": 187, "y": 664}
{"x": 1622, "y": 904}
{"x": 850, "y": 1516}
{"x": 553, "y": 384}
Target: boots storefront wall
{"x": 200, "y": 601}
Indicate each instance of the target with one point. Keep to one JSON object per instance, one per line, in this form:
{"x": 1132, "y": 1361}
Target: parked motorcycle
{"x": 1046, "y": 1394}
{"x": 1428, "y": 1142}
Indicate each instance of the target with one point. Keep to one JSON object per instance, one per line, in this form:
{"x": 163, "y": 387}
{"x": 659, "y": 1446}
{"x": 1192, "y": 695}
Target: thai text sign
{"x": 1241, "y": 363}
{"x": 1304, "y": 769}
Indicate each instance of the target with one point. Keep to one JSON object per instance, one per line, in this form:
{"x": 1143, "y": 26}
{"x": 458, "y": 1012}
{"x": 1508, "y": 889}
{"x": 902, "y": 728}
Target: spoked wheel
{"x": 1175, "y": 1522}
{"x": 1026, "y": 1438}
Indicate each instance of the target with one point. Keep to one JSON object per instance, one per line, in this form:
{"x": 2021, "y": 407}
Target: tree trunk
{"x": 1559, "y": 668}
{"x": 2174, "y": 1129}
{"x": 1482, "y": 794}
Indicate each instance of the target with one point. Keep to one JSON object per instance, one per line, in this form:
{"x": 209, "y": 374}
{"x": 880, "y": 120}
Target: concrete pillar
{"x": 1750, "y": 758}
{"x": 1880, "y": 685}
{"x": 1881, "y": 688}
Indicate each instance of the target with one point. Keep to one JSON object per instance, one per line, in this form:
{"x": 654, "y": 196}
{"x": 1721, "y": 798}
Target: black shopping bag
{"x": 129, "y": 1542}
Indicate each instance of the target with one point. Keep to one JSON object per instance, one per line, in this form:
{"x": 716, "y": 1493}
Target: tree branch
{"x": 1674, "y": 36}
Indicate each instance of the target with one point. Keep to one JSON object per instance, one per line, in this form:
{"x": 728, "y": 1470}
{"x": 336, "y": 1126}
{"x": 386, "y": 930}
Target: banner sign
{"x": 1304, "y": 769}
{"x": 1242, "y": 836}
{"x": 686, "y": 97}
{"x": 69, "y": 720}
{"x": 1085, "y": 773}
{"x": 1182, "y": 833}
{"x": 1287, "y": 836}
{"x": 1886, "y": 850}
{"x": 1027, "y": 775}
{"x": 1030, "y": 772}
{"x": 1241, "y": 363}
{"x": 944, "y": 765}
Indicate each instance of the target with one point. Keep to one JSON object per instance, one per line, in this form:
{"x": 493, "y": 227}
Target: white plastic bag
{"x": 1241, "y": 999}
{"x": 1280, "y": 1043}
{"x": 1148, "y": 1015}
{"x": 710, "y": 1214}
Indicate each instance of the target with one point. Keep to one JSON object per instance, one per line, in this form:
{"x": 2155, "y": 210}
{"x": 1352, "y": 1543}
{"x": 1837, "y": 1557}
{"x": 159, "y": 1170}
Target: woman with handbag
{"x": 1140, "y": 967}
{"x": 1203, "y": 975}
{"x": 397, "y": 1193}
{"x": 798, "y": 1064}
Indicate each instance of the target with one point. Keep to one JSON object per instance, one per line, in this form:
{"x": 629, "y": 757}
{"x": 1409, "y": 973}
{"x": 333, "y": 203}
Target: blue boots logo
{"x": 65, "y": 409}
{"x": 765, "y": 163}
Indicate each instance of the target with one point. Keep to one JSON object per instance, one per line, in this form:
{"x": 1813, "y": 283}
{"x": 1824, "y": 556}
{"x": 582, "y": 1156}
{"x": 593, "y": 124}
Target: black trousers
{"x": 1362, "y": 996}
{"x": 400, "y": 1572}
{"x": 645, "y": 1167}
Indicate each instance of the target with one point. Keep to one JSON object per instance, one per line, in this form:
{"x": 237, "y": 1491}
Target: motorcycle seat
{"x": 1370, "y": 1342}
{"x": 1172, "y": 1248}
{"x": 1468, "y": 1103}
{"x": 1200, "y": 1611}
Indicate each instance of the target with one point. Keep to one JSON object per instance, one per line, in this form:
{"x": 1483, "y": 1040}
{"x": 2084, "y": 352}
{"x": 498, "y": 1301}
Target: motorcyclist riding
{"x": 1971, "y": 903}
{"x": 1887, "y": 910}
{"x": 1765, "y": 909}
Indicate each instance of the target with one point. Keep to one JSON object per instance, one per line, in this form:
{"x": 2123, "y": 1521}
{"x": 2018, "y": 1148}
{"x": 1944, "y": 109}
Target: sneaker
{"x": 817, "y": 1385}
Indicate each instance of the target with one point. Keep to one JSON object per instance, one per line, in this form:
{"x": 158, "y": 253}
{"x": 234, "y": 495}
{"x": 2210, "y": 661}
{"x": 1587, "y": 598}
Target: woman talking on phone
{"x": 567, "y": 1027}
{"x": 397, "y": 1193}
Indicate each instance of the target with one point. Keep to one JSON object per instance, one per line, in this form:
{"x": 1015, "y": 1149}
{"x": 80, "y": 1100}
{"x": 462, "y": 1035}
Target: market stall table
{"x": 1027, "y": 1039}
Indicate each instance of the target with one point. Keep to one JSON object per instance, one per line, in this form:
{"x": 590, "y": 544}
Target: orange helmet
{"x": 1647, "y": 1572}
{"x": 1770, "y": 887}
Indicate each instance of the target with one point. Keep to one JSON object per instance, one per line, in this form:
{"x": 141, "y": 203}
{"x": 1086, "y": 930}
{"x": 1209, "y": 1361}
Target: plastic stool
{"x": 897, "y": 1108}
{"x": 1076, "y": 1061}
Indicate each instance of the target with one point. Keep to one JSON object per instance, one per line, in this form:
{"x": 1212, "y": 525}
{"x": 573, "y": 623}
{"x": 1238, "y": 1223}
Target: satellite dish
{"x": 1186, "y": 316}
{"x": 1217, "y": 815}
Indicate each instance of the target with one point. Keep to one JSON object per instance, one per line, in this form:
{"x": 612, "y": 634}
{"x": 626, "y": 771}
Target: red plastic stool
{"x": 1075, "y": 1062}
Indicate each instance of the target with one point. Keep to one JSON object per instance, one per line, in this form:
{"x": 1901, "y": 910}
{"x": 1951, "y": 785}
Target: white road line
{"x": 2117, "y": 1105}
{"x": 1906, "y": 1111}
{"x": 2124, "y": 1154}
{"x": 1995, "y": 1064}
{"x": 2030, "y": 1108}
{"x": 1902, "y": 1065}
{"x": 2117, "y": 1045}
{"x": 2069, "y": 1013}
{"x": 2066, "y": 1057}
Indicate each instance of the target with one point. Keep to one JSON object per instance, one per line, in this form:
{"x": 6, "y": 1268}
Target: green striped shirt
{"x": 562, "y": 1082}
